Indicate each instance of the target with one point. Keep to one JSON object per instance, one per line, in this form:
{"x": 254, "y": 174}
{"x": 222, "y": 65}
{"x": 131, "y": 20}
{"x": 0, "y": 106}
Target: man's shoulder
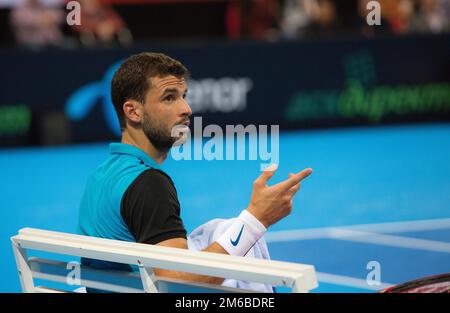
{"x": 117, "y": 167}
{"x": 153, "y": 178}
{"x": 151, "y": 190}
{"x": 115, "y": 175}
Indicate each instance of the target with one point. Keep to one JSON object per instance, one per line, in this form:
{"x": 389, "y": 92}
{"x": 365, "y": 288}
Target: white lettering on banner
{"x": 218, "y": 95}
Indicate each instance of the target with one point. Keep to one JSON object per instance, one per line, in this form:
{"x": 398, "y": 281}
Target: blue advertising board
{"x": 317, "y": 83}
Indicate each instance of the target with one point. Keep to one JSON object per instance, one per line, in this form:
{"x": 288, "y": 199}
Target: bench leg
{"x": 25, "y": 274}
{"x": 147, "y": 277}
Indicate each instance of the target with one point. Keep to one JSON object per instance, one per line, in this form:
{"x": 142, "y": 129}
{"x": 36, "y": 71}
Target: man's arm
{"x": 267, "y": 204}
{"x": 181, "y": 243}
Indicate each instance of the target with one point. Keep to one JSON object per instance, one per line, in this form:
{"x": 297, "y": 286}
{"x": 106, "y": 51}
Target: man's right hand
{"x": 267, "y": 204}
{"x": 271, "y": 204}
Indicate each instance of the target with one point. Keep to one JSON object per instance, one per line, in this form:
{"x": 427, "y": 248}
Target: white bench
{"x": 298, "y": 277}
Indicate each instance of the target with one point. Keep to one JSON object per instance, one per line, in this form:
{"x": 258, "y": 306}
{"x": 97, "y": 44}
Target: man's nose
{"x": 187, "y": 111}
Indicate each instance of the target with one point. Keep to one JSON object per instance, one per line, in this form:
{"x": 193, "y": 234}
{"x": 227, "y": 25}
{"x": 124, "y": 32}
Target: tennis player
{"x": 130, "y": 198}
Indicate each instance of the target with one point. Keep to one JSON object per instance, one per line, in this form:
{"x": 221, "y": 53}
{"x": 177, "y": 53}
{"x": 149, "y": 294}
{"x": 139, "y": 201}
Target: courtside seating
{"x": 298, "y": 277}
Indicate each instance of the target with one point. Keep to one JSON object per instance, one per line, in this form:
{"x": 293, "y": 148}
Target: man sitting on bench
{"x": 129, "y": 198}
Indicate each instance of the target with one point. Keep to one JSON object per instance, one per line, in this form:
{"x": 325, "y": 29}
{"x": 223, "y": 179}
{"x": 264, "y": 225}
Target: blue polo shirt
{"x": 129, "y": 198}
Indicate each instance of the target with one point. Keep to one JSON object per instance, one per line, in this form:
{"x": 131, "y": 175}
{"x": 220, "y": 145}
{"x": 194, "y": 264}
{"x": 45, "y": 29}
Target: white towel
{"x": 206, "y": 234}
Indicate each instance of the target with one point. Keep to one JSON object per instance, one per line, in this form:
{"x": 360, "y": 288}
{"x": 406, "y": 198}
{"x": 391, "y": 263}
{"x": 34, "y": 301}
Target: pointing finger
{"x": 293, "y": 180}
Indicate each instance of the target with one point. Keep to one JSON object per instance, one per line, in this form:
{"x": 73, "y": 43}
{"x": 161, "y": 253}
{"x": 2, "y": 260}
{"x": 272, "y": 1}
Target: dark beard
{"x": 155, "y": 133}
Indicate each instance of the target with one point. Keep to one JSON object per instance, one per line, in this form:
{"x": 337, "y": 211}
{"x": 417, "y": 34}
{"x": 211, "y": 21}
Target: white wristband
{"x": 240, "y": 237}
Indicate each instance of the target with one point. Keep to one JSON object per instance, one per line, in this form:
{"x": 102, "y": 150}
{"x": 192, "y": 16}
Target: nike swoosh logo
{"x": 235, "y": 242}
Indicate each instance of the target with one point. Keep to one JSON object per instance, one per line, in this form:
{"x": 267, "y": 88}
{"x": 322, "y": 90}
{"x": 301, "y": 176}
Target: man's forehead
{"x": 162, "y": 83}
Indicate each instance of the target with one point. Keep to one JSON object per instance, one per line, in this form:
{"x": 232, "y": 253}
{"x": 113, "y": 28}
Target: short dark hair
{"x": 132, "y": 80}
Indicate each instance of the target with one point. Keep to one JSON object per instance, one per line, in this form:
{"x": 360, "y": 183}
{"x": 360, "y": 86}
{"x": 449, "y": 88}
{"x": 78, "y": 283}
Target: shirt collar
{"x": 123, "y": 148}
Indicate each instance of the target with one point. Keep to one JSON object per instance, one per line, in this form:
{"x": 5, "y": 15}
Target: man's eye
{"x": 169, "y": 98}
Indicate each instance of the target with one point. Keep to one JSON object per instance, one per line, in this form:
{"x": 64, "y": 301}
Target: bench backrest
{"x": 299, "y": 277}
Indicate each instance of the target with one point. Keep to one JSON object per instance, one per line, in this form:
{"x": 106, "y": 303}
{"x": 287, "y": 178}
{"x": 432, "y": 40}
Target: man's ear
{"x": 133, "y": 111}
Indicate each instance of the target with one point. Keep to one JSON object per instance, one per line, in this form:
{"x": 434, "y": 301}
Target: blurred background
{"x": 366, "y": 106}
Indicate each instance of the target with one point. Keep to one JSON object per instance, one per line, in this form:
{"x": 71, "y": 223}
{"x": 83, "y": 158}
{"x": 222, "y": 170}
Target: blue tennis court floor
{"x": 377, "y": 194}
